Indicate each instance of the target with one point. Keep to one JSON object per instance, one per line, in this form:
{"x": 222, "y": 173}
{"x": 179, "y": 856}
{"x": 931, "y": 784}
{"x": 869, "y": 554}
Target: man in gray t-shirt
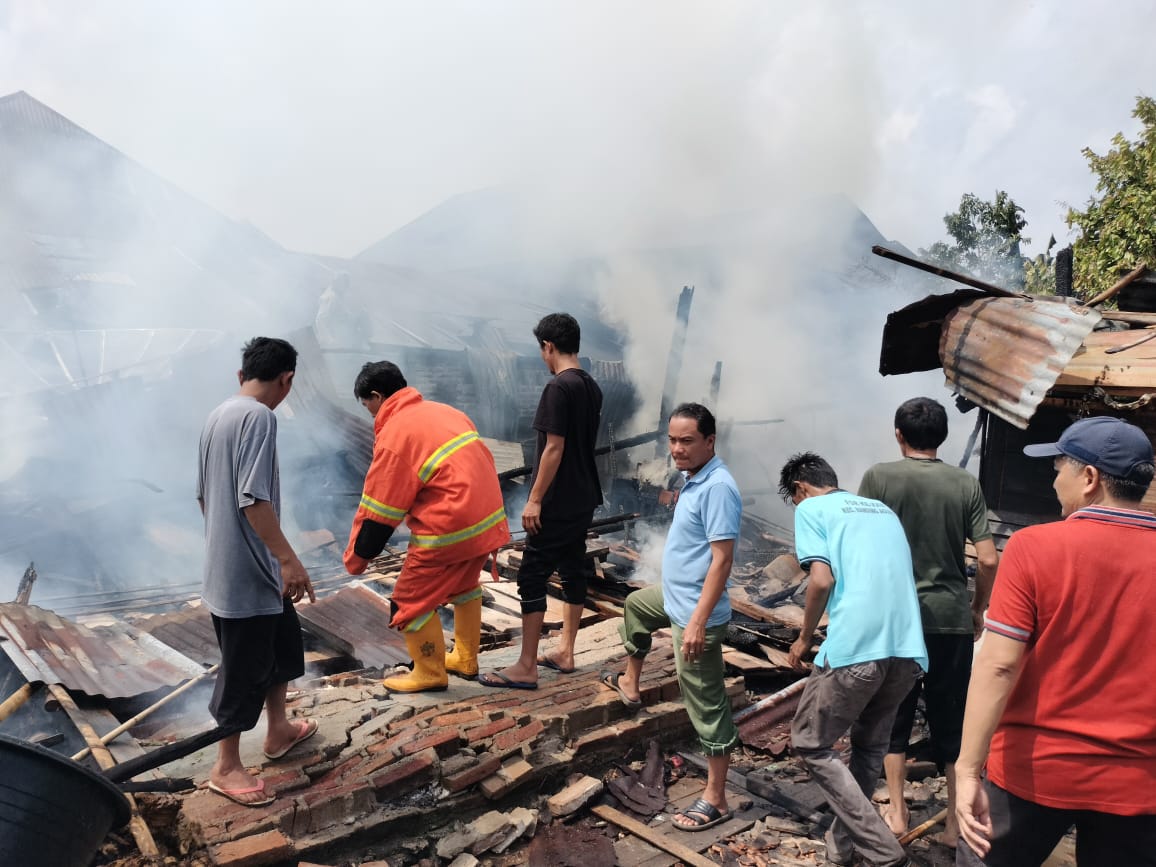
{"x": 252, "y": 575}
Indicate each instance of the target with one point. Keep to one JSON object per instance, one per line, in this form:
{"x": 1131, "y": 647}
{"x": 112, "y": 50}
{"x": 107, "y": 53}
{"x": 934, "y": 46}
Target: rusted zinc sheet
{"x": 355, "y": 620}
{"x": 113, "y": 661}
{"x": 189, "y": 632}
{"x": 1005, "y": 353}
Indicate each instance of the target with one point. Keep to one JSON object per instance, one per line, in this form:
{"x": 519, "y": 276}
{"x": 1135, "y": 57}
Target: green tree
{"x": 1040, "y": 271}
{"x": 1118, "y": 226}
{"x": 986, "y": 240}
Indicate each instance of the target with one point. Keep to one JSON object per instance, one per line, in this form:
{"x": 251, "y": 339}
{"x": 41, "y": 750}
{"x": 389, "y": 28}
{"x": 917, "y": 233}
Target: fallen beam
{"x": 658, "y": 841}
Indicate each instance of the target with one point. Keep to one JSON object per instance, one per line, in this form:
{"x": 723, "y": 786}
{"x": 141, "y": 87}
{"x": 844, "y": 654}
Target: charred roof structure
{"x": 1032, "y": 365}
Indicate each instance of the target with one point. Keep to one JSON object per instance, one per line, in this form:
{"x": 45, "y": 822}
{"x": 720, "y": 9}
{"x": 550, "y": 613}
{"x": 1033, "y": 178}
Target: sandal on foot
{"x": 703, "y": 814}
{"x": 610, "y": 679}
{"x": 547, "y": 662}
{"x": 496, "y": 678}
{"x": 304, "y": 732}
{"x": 234, "y": 795}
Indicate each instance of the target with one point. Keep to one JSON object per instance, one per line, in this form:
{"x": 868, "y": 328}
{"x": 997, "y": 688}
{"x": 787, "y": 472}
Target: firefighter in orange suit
{"x": 431, "y": 468}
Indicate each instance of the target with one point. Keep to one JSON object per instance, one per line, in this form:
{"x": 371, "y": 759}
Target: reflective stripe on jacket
{"x": 431, "y": 468}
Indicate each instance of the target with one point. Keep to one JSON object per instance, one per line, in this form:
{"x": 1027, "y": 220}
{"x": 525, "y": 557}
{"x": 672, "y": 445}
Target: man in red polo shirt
{"x": 1061, "y": 702}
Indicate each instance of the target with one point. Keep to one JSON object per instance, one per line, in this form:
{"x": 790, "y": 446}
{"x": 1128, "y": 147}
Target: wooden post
{"x": 15, "y": 701}
{"x": 1120, "y": 284}
{"x": 919, "y": 830}
{"x": 140, "y": 831}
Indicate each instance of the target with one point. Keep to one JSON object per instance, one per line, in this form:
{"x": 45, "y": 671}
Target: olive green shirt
{"x": 940, "y": 507}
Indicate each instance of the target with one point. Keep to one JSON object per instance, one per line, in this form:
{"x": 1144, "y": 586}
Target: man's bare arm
{"x": 294, "y": 579}
{"x": 987, "y": 562}
{"x": 996, "y": 668}
{"x": 547, "y": 469}
{"x": 819, "y": 583}
{"x": 714, "y": 586}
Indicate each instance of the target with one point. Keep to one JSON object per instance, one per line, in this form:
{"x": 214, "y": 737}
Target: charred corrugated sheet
{"x": 113, "y": 661}
{"x": 911, "y": 335}
{"x": 1005, "y": 353}
{"x": 356, "y": 621}
{"x": 189, "y": 632}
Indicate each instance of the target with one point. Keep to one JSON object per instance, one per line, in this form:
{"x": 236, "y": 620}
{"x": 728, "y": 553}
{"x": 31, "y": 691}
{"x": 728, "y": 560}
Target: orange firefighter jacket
{"x": 431, "y": 468}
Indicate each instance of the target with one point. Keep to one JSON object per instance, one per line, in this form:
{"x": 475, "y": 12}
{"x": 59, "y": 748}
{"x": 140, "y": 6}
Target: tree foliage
{"x": 986, "y": 241}
{"x": 1118, "y": 226}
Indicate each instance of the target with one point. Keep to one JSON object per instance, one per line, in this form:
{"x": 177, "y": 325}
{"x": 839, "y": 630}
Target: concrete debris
{"x": 574, "y": 797}
{"x": 492, "y": 832}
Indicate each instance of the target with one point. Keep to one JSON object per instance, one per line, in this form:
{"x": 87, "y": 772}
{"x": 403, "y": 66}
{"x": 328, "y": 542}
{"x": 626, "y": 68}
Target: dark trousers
{"x": 560, "y": 546}
{"x": 1025, "y": 833}
{"x": 863, "y": 698}
{"x": 944, "y": 688}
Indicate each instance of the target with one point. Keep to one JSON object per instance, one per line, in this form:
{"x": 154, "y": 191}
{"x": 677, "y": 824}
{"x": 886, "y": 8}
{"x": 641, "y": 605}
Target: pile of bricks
{"x": 406, "y": 770}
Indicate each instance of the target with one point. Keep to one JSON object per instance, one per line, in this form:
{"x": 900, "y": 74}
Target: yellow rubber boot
{"x": 427, "y": 646}
{"x": 463, "y": 660}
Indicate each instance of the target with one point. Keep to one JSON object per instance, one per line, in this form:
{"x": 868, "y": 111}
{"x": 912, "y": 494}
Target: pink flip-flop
{"x": 305, "y": 731}
{"x": 234, "y": 795}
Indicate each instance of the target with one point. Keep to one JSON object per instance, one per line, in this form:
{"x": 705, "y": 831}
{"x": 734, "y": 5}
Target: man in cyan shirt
{"x": 1061, "y": 702}
{"x": 859, "y": 567}
{"x": 692, "y": 602}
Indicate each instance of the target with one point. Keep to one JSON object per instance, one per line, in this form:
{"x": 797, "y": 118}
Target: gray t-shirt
{"x": 238, "y": 467}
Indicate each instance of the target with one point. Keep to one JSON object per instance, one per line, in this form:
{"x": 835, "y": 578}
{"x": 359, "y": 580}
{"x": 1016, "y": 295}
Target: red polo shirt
{"x": 1079, "y": 730}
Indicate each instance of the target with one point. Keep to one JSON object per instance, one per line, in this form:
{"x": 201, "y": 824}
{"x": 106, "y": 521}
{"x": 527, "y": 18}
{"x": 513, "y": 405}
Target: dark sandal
{"x": 705, "y": 808}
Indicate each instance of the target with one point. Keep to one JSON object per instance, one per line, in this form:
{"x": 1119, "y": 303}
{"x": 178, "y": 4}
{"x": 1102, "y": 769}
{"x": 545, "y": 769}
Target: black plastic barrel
{"x": 53, "y": 811}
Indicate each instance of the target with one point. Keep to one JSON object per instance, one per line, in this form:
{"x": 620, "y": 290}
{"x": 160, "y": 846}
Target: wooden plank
{"x": 746, "y": 663}
{"x": 652, "y": 837}
{"x": 506, "y": 599}
{"x": 784, "y": 615}
{"x": 501, "y": 622}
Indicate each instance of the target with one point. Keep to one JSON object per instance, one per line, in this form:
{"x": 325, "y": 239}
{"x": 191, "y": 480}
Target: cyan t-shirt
{"x": 709, "y": 509}
{"x": 238, "y": 467}
{"x": 873, "y": 609}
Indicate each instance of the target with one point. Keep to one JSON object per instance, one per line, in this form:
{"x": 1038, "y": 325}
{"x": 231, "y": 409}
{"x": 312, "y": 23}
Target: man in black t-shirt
{"x": 564, "y": 492}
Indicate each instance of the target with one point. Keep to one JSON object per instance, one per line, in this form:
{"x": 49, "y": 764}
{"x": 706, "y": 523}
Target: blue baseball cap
{"x": 1111, "y": 445}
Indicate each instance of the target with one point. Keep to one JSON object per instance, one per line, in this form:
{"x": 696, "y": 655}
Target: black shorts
{"x": 944, "y": 687}
{"x": 256, "y": 653}
{"x": 560, "y": 546}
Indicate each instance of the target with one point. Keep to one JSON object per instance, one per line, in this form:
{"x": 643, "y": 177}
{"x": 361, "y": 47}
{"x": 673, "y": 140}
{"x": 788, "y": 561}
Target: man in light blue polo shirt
{"x": 859, "y": 565}
{"x": 692, "y": 601}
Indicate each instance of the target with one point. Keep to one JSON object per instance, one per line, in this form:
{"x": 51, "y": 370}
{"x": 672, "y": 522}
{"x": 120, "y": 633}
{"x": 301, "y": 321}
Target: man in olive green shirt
{"x": 941, "y": 507}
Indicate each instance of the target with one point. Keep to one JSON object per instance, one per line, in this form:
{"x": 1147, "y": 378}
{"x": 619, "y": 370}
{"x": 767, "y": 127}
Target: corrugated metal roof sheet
{"x": 355, "y": 620}
{"x": 1005, "y": 353}
{"x": 113, "y": 661}
{"x": 189, "y": 632}
{"x": 35, "y": 360}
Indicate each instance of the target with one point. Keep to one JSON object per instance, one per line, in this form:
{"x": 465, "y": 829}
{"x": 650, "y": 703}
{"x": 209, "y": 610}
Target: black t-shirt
{"x": 571, "y": 406}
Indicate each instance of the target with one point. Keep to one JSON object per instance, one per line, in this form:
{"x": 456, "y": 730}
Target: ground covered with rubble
{"x": 565, "y": 774}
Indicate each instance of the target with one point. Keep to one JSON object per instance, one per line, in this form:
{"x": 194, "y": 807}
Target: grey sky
{"x": 329, "y": 125}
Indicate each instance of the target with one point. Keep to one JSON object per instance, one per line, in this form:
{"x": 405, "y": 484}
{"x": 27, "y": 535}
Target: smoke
{"x": 635, "y": 148}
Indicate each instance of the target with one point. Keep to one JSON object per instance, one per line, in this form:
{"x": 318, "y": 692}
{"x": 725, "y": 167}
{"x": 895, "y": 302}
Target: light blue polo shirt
{"x": 709, "y": 509}
{"x": 873, "y": 609}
